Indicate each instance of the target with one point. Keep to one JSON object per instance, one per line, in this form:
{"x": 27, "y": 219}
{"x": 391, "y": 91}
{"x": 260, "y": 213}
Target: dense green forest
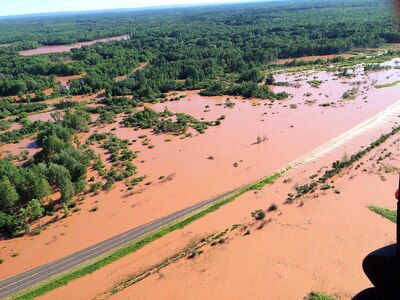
{"x": 222, "y": 50}
{"x": 187, "y": 48}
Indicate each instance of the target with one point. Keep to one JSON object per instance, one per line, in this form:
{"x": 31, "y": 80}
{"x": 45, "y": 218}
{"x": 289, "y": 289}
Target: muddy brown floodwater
{"x": 65, "y": 79}
{"x": 309, "y": 58}
{"x": 290, "y": 131}
{"x": 66, "y": 48}
{"x": 319, "y": 246}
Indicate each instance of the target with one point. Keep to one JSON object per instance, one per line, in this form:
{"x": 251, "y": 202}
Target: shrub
{"x": 36, "y": 231}
{"x": 108, "y": 185}
{"x": 33, "y": 211}
{"x": 192, "y": 254}
{"x": 72, "y": 204}
{"x": 306, "y": 188}
{"x": 315, "y": 83}
{"x": 258, "y": 214}
{"x": 272, "y": 207}
{"x": 325, "y": 187}
{"x": 318, "y": 296}
{"x": 350, "y": 94}
{"x": 94, "y": 187}
{"x": 137, "y": 180}
{"x": 66, "y": 210}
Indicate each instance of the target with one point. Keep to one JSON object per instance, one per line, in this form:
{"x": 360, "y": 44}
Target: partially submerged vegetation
{"x": 314, "y": 83}
{"x": 318, "y": 296}
{"x": 380, "y": 86}
{"x": 61, "y": 148}
{"x": 370, "y": 60}
{"x": 163, "y": 123}
{"x": 28, "y": 128}
{"x": 12, "y": 108}
{"x": 350, "y": 94}
{"x": 336, "y": 168}
{"x": 186, "y": 51}
{"x": 59, "y": 166}
{"x": 246, "y": 89}
{"x": 391, "y": 215}
{"x": 120, "y": 157}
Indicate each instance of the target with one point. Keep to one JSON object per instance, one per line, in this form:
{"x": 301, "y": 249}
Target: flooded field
{"x": 278, "y": 254}
{"x": 255, "y": 138}
{"x": 66, "y": 48}
{"x": 287, "y": 243}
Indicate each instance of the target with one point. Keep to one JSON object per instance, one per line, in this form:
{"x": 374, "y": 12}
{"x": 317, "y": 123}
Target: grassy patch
{"x": 380, "y": 86}
{"x": 384, "y": 212}
{"x": 315, "y": 83}
{"x": 132, "y": 247}
{"x": 260, "y": 184}
{"x": 318, "y": 296}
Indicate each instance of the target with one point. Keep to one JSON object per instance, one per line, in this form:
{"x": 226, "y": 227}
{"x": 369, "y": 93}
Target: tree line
{"x": 187, "y": 48}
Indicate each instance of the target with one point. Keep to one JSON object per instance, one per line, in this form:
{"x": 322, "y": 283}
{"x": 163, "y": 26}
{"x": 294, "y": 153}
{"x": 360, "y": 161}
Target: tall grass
{"x": 384, "y": 212}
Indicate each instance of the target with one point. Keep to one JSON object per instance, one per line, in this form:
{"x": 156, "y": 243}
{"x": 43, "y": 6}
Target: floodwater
{"x": 66, "y": 48}
{"x": 290, "y": 132}
{"x": 43, "y": 116}
{"x": 319, "y": 246}
{"x": 17, "y": 148}
{"x": 65, "y": 79}
{"x": 280, "y": 253}
{"x": 315, "y": 57}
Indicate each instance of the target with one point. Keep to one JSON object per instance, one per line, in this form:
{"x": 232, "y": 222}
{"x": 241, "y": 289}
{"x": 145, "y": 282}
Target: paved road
{"x": 32, "y": 277}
